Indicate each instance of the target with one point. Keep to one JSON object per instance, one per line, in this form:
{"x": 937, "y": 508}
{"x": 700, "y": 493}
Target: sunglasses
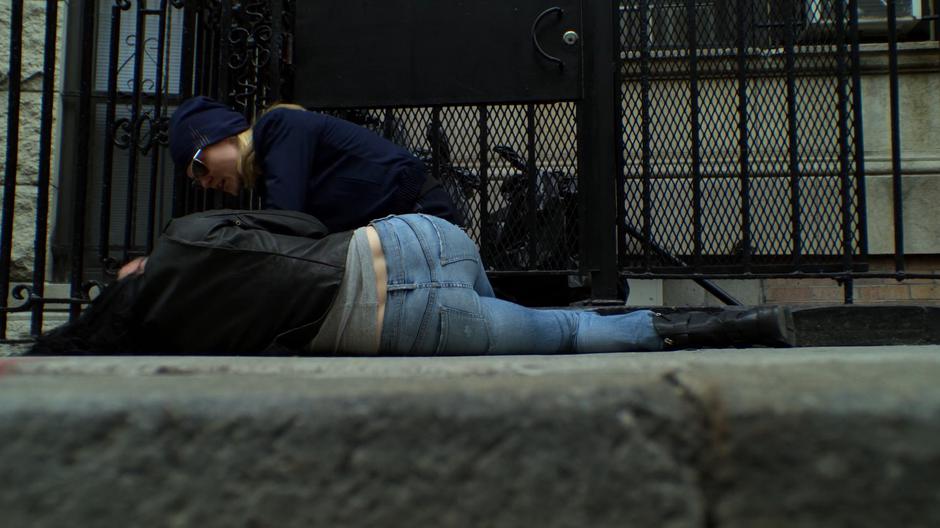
{"x": 199, "y": 168}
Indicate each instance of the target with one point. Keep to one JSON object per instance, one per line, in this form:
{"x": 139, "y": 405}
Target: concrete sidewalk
{"x": 743, "y": 438}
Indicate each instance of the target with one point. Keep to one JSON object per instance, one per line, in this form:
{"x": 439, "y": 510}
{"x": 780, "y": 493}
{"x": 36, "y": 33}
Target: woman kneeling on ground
{"x": 278, "y": 282}
{"x": 342, "y": 173}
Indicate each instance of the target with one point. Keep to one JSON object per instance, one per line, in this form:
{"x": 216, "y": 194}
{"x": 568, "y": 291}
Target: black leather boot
{"x": 765, "y": 326}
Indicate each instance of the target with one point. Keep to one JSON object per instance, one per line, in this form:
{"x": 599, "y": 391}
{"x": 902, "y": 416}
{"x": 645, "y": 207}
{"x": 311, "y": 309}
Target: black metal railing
{"x": 738, "y": 148}
{"x": 740, "y": 157}
{"x": 788, "y": 191}
{"x": 127, "y": 65}
{"x": 511, "y": 169}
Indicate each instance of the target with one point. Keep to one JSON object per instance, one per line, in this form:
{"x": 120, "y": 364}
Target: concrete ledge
{"x": 803, "y": 437}
{"x": 876, "y": 325}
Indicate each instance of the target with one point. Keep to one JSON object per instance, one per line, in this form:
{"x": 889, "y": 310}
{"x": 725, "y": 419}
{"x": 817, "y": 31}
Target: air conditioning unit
{"x": 872, "y": 15}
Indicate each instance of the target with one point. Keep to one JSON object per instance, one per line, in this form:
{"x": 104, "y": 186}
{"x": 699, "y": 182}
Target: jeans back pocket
{"x": 462, "y": 333}
{"x": 455, "y": 245}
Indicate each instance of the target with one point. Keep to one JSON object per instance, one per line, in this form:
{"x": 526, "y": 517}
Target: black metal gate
{"x": 379, "y": 53}
{"x": 737, "y": 144}
{"x": 704, "y": 138}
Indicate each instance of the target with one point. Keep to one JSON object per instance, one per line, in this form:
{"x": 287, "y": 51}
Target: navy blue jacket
{"x": 342, "y": 173}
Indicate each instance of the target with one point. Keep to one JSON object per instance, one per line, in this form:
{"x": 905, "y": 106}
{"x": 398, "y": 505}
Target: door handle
{"x": 535, "y": 38}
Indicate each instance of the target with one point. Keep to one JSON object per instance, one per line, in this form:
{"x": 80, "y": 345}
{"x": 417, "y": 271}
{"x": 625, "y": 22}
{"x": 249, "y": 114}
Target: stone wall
{"x": 27, "y": 174}
{"x": 802, "y": 292}
{"x": 866, "y": 291}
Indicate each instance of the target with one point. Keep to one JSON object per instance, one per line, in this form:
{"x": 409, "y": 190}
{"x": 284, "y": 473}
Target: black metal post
{"x": 156, "y": 125}
{"x": 130, "y": 214}
{"x": 897, "y": 186}
{"x": 206, "y": 69}
{"x": 599, "y": 129}
{"x": 796, "y": 227}
{"x": 860, "y": 188}
{"x": 12, "y": 156}
{"x": 202, "y": 83}
{"x": 45, "y": 169}
{"x": 277, "y": 45}
{"x": 211, "y": 72}
{"x": 436, "y": 139}
{"x": 388, "y": 124}
{"x": 843, "y": 112}
{"x": 483, "y": 123}
{"x": 744, "y": 147}
{"x": 181, "y": 188}
{"x": 694, "y": 126}
{"x": 82, "y": 166}
{"x": 646, "y": 134}
{"x": 620, "y": 157}
{"x": 533, "y": 189}
{"x": 224, "y": 52}
{"x": 187, "y": 53}
{"x": 107, "y": 168}
{"x": 934, "y": 18}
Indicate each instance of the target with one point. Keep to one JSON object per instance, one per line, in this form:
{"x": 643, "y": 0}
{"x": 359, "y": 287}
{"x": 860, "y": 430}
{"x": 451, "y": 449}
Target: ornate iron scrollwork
{"x": 121, "y": 134}
{"x": 26, "y": 293}
{"x": 287, "y": 50}
{"x": 252, "y": 44}
{"x": 110, "y": 266}
{"x": 149, "y": 130}
{"x": 250, "y": 40}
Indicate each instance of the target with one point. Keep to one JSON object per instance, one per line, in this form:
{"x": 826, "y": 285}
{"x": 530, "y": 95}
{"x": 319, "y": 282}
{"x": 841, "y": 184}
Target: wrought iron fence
{"x": 511, "y": 170}
{"x": 741, "y": 151}
{"x": 127, "y": 65}
{"x": 737, "y": 146}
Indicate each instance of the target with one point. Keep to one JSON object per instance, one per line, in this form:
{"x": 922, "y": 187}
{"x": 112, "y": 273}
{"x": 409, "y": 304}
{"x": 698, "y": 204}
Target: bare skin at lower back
{"x": 381, "y": 276}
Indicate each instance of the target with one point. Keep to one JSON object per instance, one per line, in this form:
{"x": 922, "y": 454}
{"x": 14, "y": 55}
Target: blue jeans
{"x": 441, "y": 302}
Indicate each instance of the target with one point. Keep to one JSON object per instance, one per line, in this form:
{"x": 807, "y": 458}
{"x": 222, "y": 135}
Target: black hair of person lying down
{"x": 111, "y": 326}
{"x": 108, "y": 326}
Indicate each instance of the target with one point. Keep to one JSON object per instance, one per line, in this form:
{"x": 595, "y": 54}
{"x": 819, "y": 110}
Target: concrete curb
{"x": 803, "y": 437}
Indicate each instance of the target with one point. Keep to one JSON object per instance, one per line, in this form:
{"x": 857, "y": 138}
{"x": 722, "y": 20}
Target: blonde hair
{"x": 247, "y": 164}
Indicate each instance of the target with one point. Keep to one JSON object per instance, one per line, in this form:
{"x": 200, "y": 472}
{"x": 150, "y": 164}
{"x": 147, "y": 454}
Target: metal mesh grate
{"x": 738, "y": 136}
{"x": 511, "y": 170}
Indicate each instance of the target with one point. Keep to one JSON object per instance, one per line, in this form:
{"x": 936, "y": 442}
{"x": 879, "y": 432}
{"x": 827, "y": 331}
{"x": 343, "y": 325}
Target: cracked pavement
{"x": 761, "y": 437}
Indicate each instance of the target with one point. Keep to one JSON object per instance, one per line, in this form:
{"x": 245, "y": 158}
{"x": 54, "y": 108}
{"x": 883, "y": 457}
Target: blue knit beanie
{"x": 198, "y": 123}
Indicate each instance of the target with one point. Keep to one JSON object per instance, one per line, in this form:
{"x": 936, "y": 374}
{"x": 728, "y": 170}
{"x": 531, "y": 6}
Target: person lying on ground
{"x": 298, "y": 160}
{"x": 278, "y": 282}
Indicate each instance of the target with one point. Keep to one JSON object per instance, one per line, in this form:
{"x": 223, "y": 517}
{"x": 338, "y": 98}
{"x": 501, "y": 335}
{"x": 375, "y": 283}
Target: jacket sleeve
{"x": 286, "y": 151}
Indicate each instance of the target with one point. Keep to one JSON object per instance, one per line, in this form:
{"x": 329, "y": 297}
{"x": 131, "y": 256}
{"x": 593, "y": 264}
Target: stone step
{"x": 742, "y": 438}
